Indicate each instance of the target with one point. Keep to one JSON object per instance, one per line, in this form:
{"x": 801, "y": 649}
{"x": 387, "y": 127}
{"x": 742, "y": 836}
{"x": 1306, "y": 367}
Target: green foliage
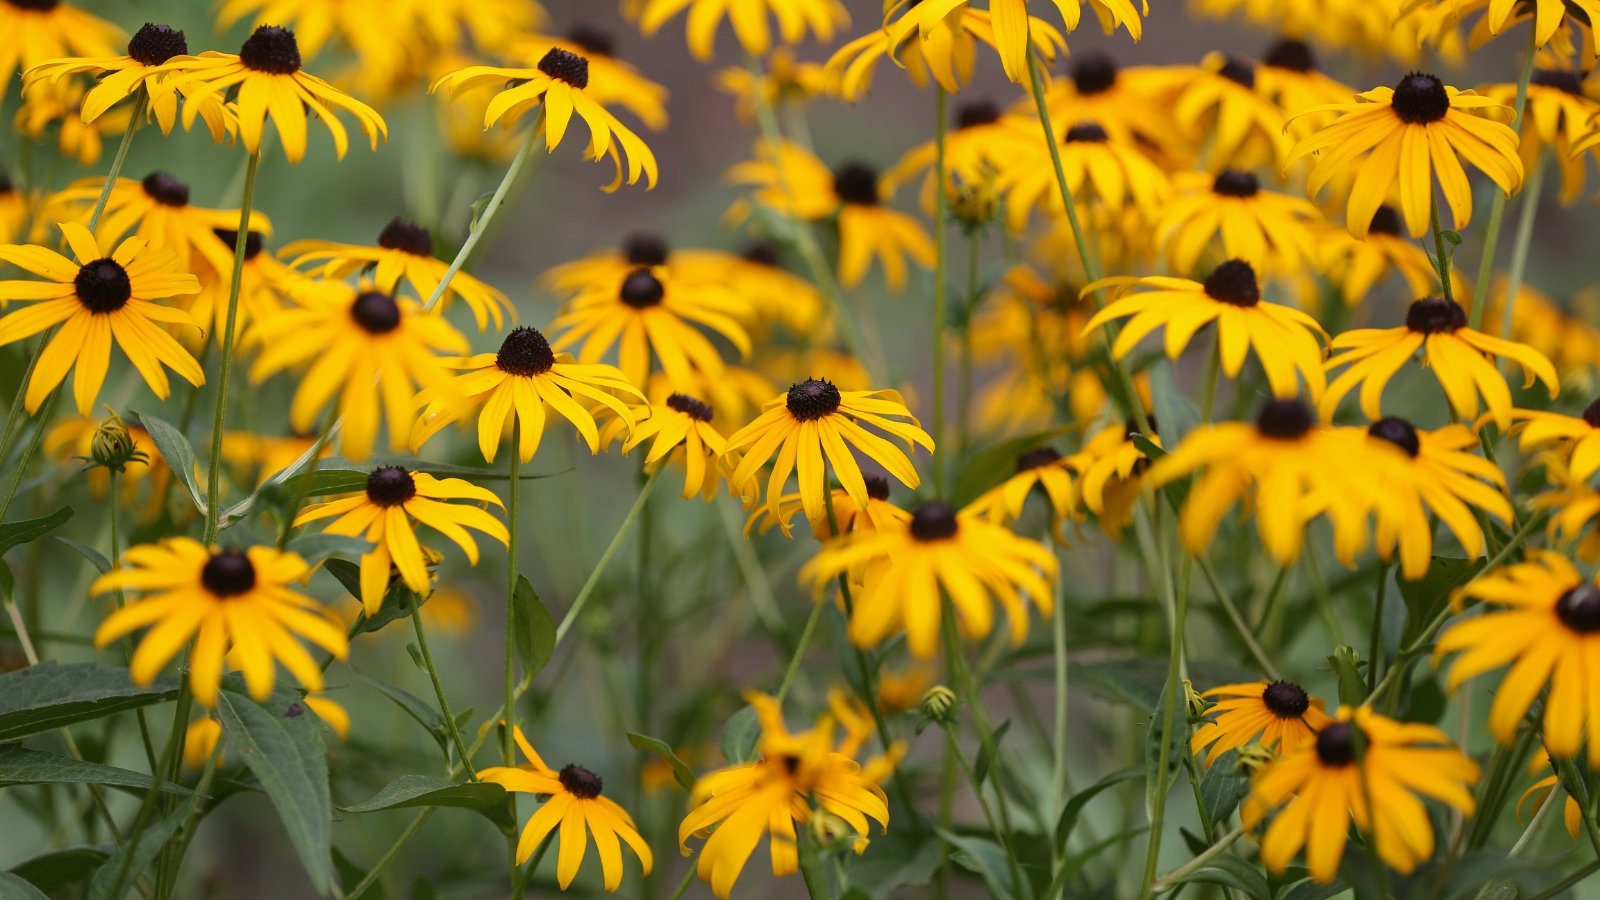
{"x": 51, "y": 695}
{"x": 412, "y": 791}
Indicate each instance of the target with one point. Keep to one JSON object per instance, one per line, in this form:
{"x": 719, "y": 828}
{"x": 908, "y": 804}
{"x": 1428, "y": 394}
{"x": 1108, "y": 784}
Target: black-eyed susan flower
{"x": 1362, "y": 768}
{"x": 1289, "y": 77}
{"x": 404, "y": 252}
{"x": 1043, "y": 468}
{"x": 612, "y": 81}
{"x": 1542, "y": 792}
{"x": 794, "y": 777}
{"x": 1271, "y": 231}
{"x": 1559, "y": 112}
{"x": 1405, "y": 139}
{"x": 1128, "y": 102}
{"x": 557, "y": 87}
{"x": 13, "y": 210}
{"x": 525, "y": 379}
{"x": 907, "y": 570}
{"x": 1461, "y": 358}
{"x": 574, "y": 803}
{"x": 314, "y": 24}
{"x": 265, "y": 79}
{"x": 1110, "y": 465}
{"x": 811, "y": 427}
{"x": 1278, "y": 715}
{"x": 1118, "y": 175}
{"x": 879, "y": 513}
{"x": 387, "y": 513}
{"x": 751, "y": 20}
{"x": 679, "y": 426}
{"x": 1574, "y": 508}
{"x": 791, "y": 181}
{"x": 1495, "y": 17}
{"x": 370, "y": 348}
{"x": 1577, "y": 438}
{"x": 1030, "y": 330}
{"x": 47, "y": 105}
{"x": 980, "y": 142}
{"x": 265, "y": 286}
{"x": 33, "y": 31}
{"x": 101, "y": 299}
{"x": 1545, "y": 625}
{"x": 946, "y": 55}
{"x": 1359, "y": 264}
{"x": 1222, "y": 106}
{"x": 228, "y": 602}
{"x": 1286, "y": 341}
{"x": 1011, "y": 23}
{"x": 783, "y": 81}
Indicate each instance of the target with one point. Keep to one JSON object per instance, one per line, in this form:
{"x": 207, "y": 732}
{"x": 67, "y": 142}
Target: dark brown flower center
{"x": 1285, "y": 420}
{"x": 1435, "y": 315}
{"x": 376, "y": 312}
{"x": 762, "y": 254}
{"x": 165, "y": 189}
{"x": 39, "y": 5}
{"x": 1041, "y": 456}
{"x": 1296, "y": 56}
{"x": 1579, "y": 609}
{"x": 1086, "y": 133}
{"x": 934, "y": 521}
{"x": 1234, "y": 183}
{"x": 103, "y": 286}
{"x": 580, "y": 782}
{"x": 591, "y": 40}
{"x": 1094, "y": 73}
{"x": 6, "y": 186}
{"x": 643, "y": 248}
{"x": 407, "y": 237}
{"x": 230, "y": 237}
{"x": 1420, "y": 99}
{"x": 1591, "y": 414}
{"x": 228, "y": 573}
{"x": 525, "y": 352}
{"x": 564, "y": 65}
{"x": 856, "y": 183}
{"x": 1336, "y": 744}
{"x": 1285, "y": 699}
{"x": 1398, "y": 432}
{"x": 1238, "y": 70}
{"x": 390, "y": 486}
{"x": 812, "y": 399}
{"x": 1385, "y": 221}
{"x": 154, "y": 44}
{"x": 1234, "y": 282}
{"x": 694, "y": 408}
{"x": 272, "y": 50}
{"x": 877, "y": 487}
{"x": 977, "y": 112}
{"x": 641, "y": 289}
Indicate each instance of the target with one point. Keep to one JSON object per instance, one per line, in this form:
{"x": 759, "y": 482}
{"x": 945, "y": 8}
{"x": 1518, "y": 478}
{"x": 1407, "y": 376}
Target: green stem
{"x": 170, "y": 756}
{"x": 964, "y": 397}
{"x": 683, "y": 886}
{"x": 815, "y": 880}
{"x": 1551, "y": 802}
{"x": 1497, "y": 208}
{"x": 941, "y": 214}
{"x": 508, "y": 745}
{"x": 140, "y": 104}
{"x": 1246, "y": 635}
{"x": 800, "y": 651}
{"x": 1169, "y": 721}
{"x": 116, "y": 563}
{"x": 750, "y": 569}
{"x": 1375, "y": 639}
{"x": 1520, "y": 244}
{"x": 213, "y": 510}
{"x": 366, "y": 883}
{"x": 1442, "y": 257}
{"x": 486, "y": 218}
{"x": 444, "y": 701}
{"x": 587, "y": 591}
{"x": 1561, "y": 887}
{"x": 1058, "y": 774}
{"x": 1169, "y": 881}
{"x": 191, "y": 820}
{"x": 1000, "y": 832}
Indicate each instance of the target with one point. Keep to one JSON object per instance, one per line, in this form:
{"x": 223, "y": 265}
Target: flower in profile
{"x": 527, "y": 379}
{"x": 1362, "y": 768}
{"x": 784, "y": 80}
{"x": 681, "y": 421}
{"x": 557, "y": 86}
{"x": 1359, "y": 264}
{"x": 404, "y": 252}
{"x": 1427, "y": 125}
{"x": 229, "y": 602}
{"x": 908, "y": 569}
{"x": 1576, "y": 438}
{"x": 1545, "y": 625}
{"x": 1011, "y": 23}
{"x": 386, "y": 514}
{"x": 879, "y": 513}
{"x": 372, "y": 349}
{"x": 1119, "y": 175}
{"x": 269, "y": 81}
{"x": 946, "y": 55}
{"x": 57, "y": 104}
{"x": 1461, "y": 358}
{"x": 794, "y": 777}
{"x": 266, "y": 285}
{"x": 1558, "y": 115}
{"x": 980, "y": 143}
{"x": 1043, "y": 468}
{"x": 574, "y": 803}
{"x": 812, "y": 427}
{"x": 1277, "y": 715}
{"x": 258, "y": 457}
{"x": 99, "y": 300}
{"x": 33, "y": 31}
{"x": 1111, "y": 464}
{"x": 612, "y": 81}
{"x": 1286, "y": 341}
{"x": 1271, "y": 231}
{"x": 1542, "y": 792}
{"x": 791, "y": 181}
{"x": 751, "y": 21}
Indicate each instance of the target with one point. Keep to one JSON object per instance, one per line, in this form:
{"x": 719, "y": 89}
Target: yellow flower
{"x": 1409, "y": 136}
{"x": 1011, "y": 23}
{"x": 454, "y": 23}
{"x": 1358, "y": 264}
{"x": 266, "y": 286}
{"x": 404, "y": 251}
{"x": 1558, "y": 115}
{"x": 1222, "y": 105}
{"x": 384, "y": 515}
{"x": 908, "y": 569}
{"x": 878, "y": 514}
{"x": 267, "y": 77}
{"x": 1042, "y": 467}
{"x": 200, "y": 741}
{"x": 1362, "y": 768}
{"x": 1279, "y": 715}
{"x": 681, "y": 421}
{"x": 946, "y": 54}
{"x": 783, "y": 80}
{"x": 902, "y": 691}
{"x": 1122, "y": 101}
{"x": 1270, "y": 231}
{"x": 58, "y": 104}
{"x": 751, "y": 20}
{"x": 1289, "y": 78}
{"x": 265, "y": 455}
{"x": 1569, "y": 339}
{"x": 1112, "y": 465}
{"x": 980, "y": 144}
{"x": 32, "y": 31}
{"x": 1119, "y": 175}
{"x": 332, "y": 714}
{"x": 557, "y": 87}
{"x": 367, "y": 346}
{"x": 1500, "y": 15}
{"x": 13, "y": 210}
{"x": 1459, "y": 357}
{"x": 612, "y": 82}
{"x": 1576, "y": 438}
{"x": 234, "y": 603}
{"x": 1543, "y": 791}
{"x": 574, "y": 804}
{"x": 314, "y": 23}
{"x": 1574, "y": 508}
{"x": 98, "y": 301}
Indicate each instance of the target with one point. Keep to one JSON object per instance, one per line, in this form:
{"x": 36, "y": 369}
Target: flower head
{"x": 751, "y": 20}
{"x": 1011, "y": 23}
{"x": 1277, "y": 715}
{"x": 33, "y": 31}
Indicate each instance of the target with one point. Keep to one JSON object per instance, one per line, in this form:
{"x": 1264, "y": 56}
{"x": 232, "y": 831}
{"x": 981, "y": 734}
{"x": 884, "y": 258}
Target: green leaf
{"x": 179, "y": 455}
{"x": 1428, "y": 596}
{"x": 398, "y": 602}
{"x": 681, "y": 772}
{"x": 739, "y": 736}
{"x": 412, "y": 791}
{"x": 19, "y": 765}
{"x": 1498, "y": 889}
{"x": 1222, "y": 786}
{"x": 58, "y": 870}
{"x": 15, "y": 887}
{"x": 1177, "y": 744}
{"x": 414, "y": 706}
{"x": 315, "y": 548}
{"x": 15, "y": 534}
{"x": 1231, "y": 871}
{"x": 536, "y": 631}
{"x": 95, "y": 557}
{"x": 1074, "y": 807}
{"x": 988, "y": 861}
{"x": 48, "y": 696}
{"x": 136, "y": 855}
{"x": 980, "y": 768}
{"x": 281, "y": 742}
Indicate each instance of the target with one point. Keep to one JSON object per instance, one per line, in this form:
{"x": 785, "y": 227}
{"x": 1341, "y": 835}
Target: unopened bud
{"x": 1253, "y": 757}
{"x": 112, "y": 445}
{"x": 974, "y": 202}
{"x": 1196, "y": 704}
{"x": 828, "y": 829}
{"x": 938, "y": 702}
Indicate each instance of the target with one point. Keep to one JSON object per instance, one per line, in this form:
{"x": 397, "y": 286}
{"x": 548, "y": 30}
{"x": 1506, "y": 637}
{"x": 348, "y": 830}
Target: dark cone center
{"x": 1286, "y": 700}
{"x": 1435, "y": 315}
{"x": 856, "y": 183}
{"x": 1033, "y": 459}
{"x": 1564, "y": 80}
{"x": 580, "y": 782}
{"x": 1398, "y": 432}
{"x": 1385, "y": 221}
{"x": 252, "y": 242}
{"x": 407, "y": 237}
{"x": 1336, "y": 744}
{"x": 1238, "y": 70}
{"x": 1420, "y": 99}
{"x": 154, "y": 44}
{"x": 1086, "y": 133}
{"x": 935, "y": 521}
{"x": 564, "y": 65}
{"x": 6, "y": 185}
{"x": 641, "y": 289}
{"x": 1579, "y": 609}
{"x": 1296, "y": 56}
{"x": 228, "y": 573}
{"x": 525, "y": 352}
{"x": 877, "y": 487}
{"x": 376, "y": 312}
{"x": 1285, "y": 419}
{"x": 977, "y": 112}
{"x": 165, "y": 189}
{"x": 643, "y": 248}
{"x": 390, "y": 486}
{"x": 812, "y": 399}
{"x": 1094, "y": 73}
{"x": 37, "y": 5}
{"x": 1234, "y": 183}
{"x": 592, "y": 40}
{"x": 762, "y": 254}
{"x": 1591, "y": 414}
{"x": 694, "y": 408}
{"x": 1234, "y": 282}
{"x": 103, "y": 286}
{"x": 272, "y": 50}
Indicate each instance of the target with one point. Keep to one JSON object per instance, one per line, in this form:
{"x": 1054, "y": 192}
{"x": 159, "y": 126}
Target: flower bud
{"x": 1193, "y": 702}
{"x": 1253, "y": 757}
{"x": 938, "y": 702}
{"x": 112, "y": 445}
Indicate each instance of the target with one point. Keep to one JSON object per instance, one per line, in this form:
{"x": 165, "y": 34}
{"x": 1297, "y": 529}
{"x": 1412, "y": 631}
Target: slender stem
{"x": 1058, "y": 774}
{"x": 1442, "y": 257}
{"x": 941, "y": 215}
{"x": 1169, "y": 721}
{"x": 964, "y": 397}
{"x": 21, "y": 466}
{"x": 1375, "y": 640}
{"x": 750, "y": 569}
{"x": 191, "y": 820}
{"x": 170, "y": 756}
{"x": 1520, "y": 244}
{"x": 815, "y": 880}
{"x": 365, "y": 884}
{"x": 213, "y": 510}
{"x": 508, "y": 747}
{"x": 114, "y": 475}
{"x": 1550, "y": 802}
{"x": 1168, "y": 881}
{"x": 486, "y": 218}
{"x": 1001, "y": 833}
{"x": 683, "y": 886}
{"x": 1213, "y": 375}
{"x": 140, "y": 104}
{"x": 1560, "y": 887}
{"x": 1497, "y": 207}
{"x": 800, "y": 651}
{"x": 444, "y": 701}
{"x": 1246, "y": 635}
{"x": 587, "y": 590}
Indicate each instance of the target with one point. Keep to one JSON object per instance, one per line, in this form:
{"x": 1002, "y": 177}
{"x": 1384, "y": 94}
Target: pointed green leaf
{"x": 15, "y": 887}
{"x": 48, "y": 696}
{"x": 681, "y": 772}
{"x": 19, "y": 765}
{"x": 411, "y": 791}
{"x": 58, "y": 870}
{"x": 1074, "y": 807}
{"x": 15, "y": 534}
{"x": 135, "y": 857}
{"x": 281, "y": 742}
{"x": 739, "y": 736}
{"x": 175, "y": 449}
{"x": 536, "y": 631}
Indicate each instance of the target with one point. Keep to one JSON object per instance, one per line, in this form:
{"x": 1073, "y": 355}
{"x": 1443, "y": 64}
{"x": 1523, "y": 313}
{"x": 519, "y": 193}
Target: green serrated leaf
{"x": 48, "y": 696}
{"x": 175, "y": 449}
{"x": 536, "y": 630}
{"x": 739, "y": 736}
{"x": 413, "y": 791}
{"x": 15, "y": 534}
{"x": 19, "y": 765}
{"x": 986, "y": 754}
{"x": 681, "y": 772}
{"x": 281, "y": 742}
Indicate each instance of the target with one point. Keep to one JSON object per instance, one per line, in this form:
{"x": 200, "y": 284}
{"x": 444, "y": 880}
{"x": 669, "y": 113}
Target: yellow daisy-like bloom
{"x": 1011, "y": 23}
{"x": 751, "y": 21}
{"x": 1289, "y": 77}
{"x": 1123, "y": 101}
{"x": 1279, "y": 715}
{"x": 784, "y": 81}
{"x": 906, "y": 570}
{"x": 99, "y": 300}
{"x": 1542, "y": 791}
{"x": 681, "y": 421}
{"x": 946, "y": 55}
{"x": 1500, "y": 15}
{"x": 1577, "y": 438}
{"x": 454, "y": 23}
{"x": 314, "y": 23}
{"x": 1359, "y": 264}
{"x": 793, "y": 777}
{"x": 1574, "y": 507}
{"x": 877, "y": 515}
{"x": 791, "y": 181}
{"x": 1110, "y": 466}
{"x": 648, "y": 315}
{"x": 1286, "y": 341}
{"x": 268, "y": 79}
{"x": 13, "y": 210}
{"x": 758, "y": 277}
{"x": 386, "y": 515}
{"x": 612, "y": 82}
{"x": 557, "y": 86}
{"x": 33, "y": 31}
{"x": 811, "y": 427}
{"x": 1558, "y": 115}
{"x": 1568, "y": 337}
{"x": 902, "y": 691}
{"x": 1406, "y": 137}
{"x": 1270, "y": 231}
{"x": 1359, "y": 759}
{"x": 1548, "y": 631}
{"x": 1119, "y": 175}
{"x": 1292, "y": 467}
{"x": 1461, "y": 358}
{"x": 367, "y": 346}
{"x": 234, "y": 603}
{"x": 200, "y": 741}
{"x": 57, "y": 104}
{"x": 266, "y": 286}
{"x": 980, "y": 143}
{"x": 523, "y": 378}
{"x": 1043, "y": 468}
{"x": 404, "y": 253}
{"x": 1032, "y": 330}
{"x": 573, "y": 804}
{"x": 1222, "y": 105}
